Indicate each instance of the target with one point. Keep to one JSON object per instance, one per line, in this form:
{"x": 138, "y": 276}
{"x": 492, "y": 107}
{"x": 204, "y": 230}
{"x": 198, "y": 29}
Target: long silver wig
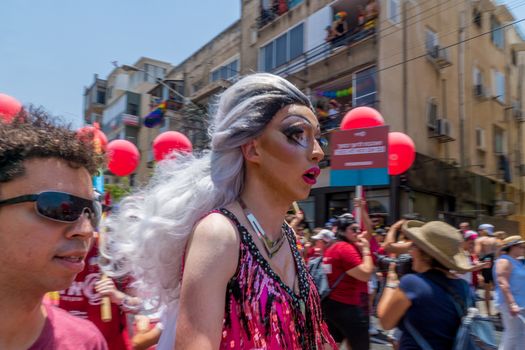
{"x": 147, "y": 237}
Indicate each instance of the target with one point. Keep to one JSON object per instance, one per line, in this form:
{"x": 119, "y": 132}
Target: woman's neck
{"x": 268, "y": 210}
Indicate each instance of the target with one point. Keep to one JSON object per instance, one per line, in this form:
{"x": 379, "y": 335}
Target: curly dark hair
{"x": 33, "y": 133}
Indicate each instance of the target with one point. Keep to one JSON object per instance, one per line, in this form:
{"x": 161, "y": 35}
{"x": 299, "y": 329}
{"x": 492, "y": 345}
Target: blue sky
{"x": 49, "y": 50}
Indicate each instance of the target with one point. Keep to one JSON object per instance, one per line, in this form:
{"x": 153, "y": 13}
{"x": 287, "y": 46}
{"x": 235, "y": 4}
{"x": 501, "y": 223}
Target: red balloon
{"x": 123, "y": 157}
{"x": 401, "y": 153}
{"x": 9, "y": 107}
{"x": 168, "y": 142}
{"x": 99, "y": 138}
{"x": 362, "y": 117}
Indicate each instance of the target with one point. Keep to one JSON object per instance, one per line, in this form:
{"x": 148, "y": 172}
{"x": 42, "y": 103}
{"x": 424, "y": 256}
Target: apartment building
{"x": 127, "y": 100}
{"x": 94, "y": 101}
{"x": 447, "y": 73}
{"x": 190, "y": 91}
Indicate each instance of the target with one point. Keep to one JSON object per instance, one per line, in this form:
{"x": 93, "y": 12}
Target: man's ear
{"x": 250, "y": 151}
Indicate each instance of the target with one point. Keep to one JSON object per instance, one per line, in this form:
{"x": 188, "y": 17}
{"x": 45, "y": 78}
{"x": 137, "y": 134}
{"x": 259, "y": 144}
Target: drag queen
{"x": 209, "y": 236}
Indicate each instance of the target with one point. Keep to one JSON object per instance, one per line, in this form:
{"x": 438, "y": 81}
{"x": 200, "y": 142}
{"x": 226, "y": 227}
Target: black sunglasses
{"x": 60, "y": 206}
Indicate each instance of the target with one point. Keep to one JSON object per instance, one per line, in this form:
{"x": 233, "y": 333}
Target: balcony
{"x": 325, "y": 51}
{"x": 210, "y": 89}
{"x": 270, "y": 12}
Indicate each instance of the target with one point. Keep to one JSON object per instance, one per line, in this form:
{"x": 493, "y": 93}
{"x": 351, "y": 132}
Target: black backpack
{"x": 318, "y": 273}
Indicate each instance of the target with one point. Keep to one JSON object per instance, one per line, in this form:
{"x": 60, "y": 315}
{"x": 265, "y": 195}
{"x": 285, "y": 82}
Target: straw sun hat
{"x": 511, "y": 241}
{"x": 439, "y": 240}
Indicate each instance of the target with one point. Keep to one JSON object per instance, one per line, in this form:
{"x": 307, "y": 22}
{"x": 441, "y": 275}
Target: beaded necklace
{"x": 271, "y": 247}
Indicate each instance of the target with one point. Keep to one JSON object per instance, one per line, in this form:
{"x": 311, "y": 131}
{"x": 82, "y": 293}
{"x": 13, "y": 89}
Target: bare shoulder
{"x": 217, "y": 227}
{"x": 215, "y": 236}
{"x": 503, "y": 263}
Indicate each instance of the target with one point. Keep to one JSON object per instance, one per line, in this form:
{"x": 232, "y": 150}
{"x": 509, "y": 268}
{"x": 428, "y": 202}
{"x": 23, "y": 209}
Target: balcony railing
{"x": 322, "y": 51}
{"x": 278, "y": 9}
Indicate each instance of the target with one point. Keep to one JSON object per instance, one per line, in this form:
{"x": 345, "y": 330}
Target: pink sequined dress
{"x": 264, "y": 313}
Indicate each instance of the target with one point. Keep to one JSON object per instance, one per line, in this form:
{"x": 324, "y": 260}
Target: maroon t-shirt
{"x": 81, "y": 300}
{"x": 338, "y": 259}
{"x": 65, "y": 332}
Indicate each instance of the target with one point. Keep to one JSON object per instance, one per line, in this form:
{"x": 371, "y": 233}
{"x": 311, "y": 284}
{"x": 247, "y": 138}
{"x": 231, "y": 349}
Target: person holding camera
{"x": 510, "y": 292}
{"x": 349, "y": 262}
{"x": 418, "y": 304}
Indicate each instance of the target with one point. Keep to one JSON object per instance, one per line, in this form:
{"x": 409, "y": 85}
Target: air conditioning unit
{"x": 443, "y": 127}
{"x": 504, "y": 208}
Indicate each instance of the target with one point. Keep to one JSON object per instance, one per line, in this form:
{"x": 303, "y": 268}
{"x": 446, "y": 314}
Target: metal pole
{"x": 358, "y": 194}
{"x": 405, "y": 69}
{"x": 461, "y": 90}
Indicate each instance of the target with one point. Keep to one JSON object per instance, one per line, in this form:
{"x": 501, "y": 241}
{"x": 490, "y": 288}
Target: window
{"x": 153, "y": 73}
{"x": 280, "y": 50}
{"x": 226, "y": 72}
{"x": 477, "y": 77}
{"x": 176, "y": 86}
{"x": 133, "y": 109}
{"x": 476, "y": 17}
{"x": 477, "y": 82}
{"x": 296, "y": 41}
{"x": 498, "y": 83}
{"x": 215, "y": 75}
{"x": 135, "y": 79}
{"x": 285, "y": 48}
{"x": 267, "y": 55}
{"x": 431, "y": 42}
{"x": 432, "y": 113}
{"x": 480, "y": 138}
{"x": 497, "y": 34}
{"x": 364, "y": 87}
{"x": 394, "y": 11}
{"x": 499, "y": 141}
{"x": 101, "y": 95}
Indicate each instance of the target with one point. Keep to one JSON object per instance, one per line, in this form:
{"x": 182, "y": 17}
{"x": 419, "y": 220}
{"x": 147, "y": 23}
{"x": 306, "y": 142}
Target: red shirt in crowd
{"x": 81, "y": 300}
{"x": 65, "y": 332}
{"x": 338, "y": 259}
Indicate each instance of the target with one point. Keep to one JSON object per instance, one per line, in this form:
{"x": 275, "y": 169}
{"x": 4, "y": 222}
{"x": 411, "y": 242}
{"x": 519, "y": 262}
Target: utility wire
{"x": 519, "y": 3}
{"x": 444, "y": 47}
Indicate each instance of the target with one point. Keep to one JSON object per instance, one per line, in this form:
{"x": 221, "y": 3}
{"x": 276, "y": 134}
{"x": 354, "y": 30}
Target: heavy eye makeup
{"x": 301, "y": 132}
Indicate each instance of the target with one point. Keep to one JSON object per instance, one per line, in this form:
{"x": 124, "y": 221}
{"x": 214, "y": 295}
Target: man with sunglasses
{"x": 47, "y": 217}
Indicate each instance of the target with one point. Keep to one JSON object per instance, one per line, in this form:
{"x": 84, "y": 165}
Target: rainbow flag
{"x": 156, "y": 116}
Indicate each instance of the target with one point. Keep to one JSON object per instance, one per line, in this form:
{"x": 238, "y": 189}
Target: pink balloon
{"x": 9, "y": 107}
{"x": 99, "y": 138}
{"x": 401, "y": 153}
{"x": 123, "y": 157}
{"x": 168, "y": 142}
{"x": 362, "y": 117}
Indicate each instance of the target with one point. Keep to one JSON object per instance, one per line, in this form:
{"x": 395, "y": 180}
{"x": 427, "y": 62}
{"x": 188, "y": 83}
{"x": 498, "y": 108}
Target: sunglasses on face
{"x": 60, "y": 206}
{"x": 355, "y": 229}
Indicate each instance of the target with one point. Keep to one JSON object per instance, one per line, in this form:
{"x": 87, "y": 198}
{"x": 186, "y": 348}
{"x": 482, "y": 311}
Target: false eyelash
{"x": 291, "y": 131}
{"x": 323, "y": 142}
